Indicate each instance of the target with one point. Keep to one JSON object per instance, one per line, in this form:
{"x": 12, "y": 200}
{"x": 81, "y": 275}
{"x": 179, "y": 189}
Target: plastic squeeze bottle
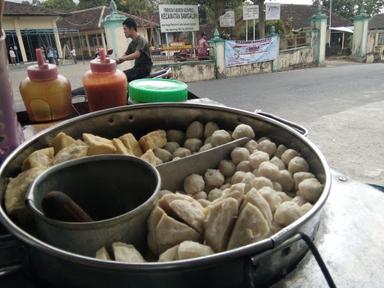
{"x": 10, "y": 131}
{"x": 46, "y": 93}
{"x": 105, "y": 86}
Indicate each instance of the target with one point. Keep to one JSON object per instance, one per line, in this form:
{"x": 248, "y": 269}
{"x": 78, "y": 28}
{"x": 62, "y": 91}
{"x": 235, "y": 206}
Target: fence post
{"x": 360, "y": 37}
{"x": 275, "y": 63}
{"x": 113, "y": 27}
{"x": 218, "y": 44}
{"x": 319, "y": 26}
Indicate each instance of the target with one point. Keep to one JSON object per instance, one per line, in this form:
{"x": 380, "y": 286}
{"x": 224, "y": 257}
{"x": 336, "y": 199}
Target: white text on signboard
{"x": 228, "y": 19}
{"x": 178, "y": 18}
{"x": 250, "y": 12}
{"x": 272, "y": 11}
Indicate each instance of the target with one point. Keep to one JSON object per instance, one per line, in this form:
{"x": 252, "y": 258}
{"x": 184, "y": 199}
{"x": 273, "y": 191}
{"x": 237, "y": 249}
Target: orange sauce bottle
{"x": 105, "y": 86}
{"x": 46, "y": 94}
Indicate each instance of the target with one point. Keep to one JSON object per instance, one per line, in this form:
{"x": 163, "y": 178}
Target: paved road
{"x": 342, "y": 106}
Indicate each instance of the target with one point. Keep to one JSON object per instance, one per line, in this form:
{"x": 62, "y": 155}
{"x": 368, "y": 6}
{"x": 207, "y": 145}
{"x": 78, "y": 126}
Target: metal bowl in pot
{"x": 118, "y": 192}
{"x": 254, "y": 264}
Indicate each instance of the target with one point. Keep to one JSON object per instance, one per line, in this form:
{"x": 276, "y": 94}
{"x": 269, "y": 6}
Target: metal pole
{"x": 193, "y": 44}
{"x": 246, "y": 30}
{"x": 330, "y": 14}
{"x": 254, "y": 27}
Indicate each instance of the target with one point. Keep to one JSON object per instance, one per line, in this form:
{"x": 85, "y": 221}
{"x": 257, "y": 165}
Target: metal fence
{"x": 302, "y": 39}
{"x": 173, "y": 54}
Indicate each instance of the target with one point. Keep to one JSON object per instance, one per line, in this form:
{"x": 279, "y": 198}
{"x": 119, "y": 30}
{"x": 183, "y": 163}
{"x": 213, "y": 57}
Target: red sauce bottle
{"x": 104, "y": 85}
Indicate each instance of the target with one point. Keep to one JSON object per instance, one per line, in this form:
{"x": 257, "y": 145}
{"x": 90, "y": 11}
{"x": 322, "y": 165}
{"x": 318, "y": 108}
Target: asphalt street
{"x": 341, "y": 105}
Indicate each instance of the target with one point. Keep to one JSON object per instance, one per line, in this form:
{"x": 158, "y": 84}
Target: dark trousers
{"x": 137, "y": 73}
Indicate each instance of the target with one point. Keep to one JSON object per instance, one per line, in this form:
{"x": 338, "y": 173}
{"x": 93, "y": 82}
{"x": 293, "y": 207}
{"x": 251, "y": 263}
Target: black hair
{"x": 130, "y": 23}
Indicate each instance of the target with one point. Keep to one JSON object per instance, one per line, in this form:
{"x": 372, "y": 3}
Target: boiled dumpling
{"x": 220, "y": 219}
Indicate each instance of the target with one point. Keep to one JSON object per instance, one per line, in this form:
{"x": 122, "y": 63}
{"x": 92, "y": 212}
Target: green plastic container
{"x": 157, "y": 90}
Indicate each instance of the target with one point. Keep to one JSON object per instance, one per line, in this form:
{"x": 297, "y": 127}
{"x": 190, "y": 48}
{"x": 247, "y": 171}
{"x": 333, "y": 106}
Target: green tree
{"x": 142, "y": 7}
{"x": 84, "y": 4}
{"x": 350, "y": 8}
{"x": 61, "y": 5}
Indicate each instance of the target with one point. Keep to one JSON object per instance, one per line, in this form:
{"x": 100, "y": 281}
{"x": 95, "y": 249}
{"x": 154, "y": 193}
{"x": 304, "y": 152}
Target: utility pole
{"x": 261, "y": 19}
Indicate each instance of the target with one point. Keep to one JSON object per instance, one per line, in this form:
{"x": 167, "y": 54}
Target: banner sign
{"x": 250, "y": 12}
{"x": 179, "y": 18}
{"x": 272, "y": 11}
{"x": 248, "y": 52}
{"x": 228, "y": 19}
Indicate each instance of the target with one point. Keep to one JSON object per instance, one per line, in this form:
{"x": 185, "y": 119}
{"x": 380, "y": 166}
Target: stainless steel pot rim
{"x": 100, "y": 223}
{"x": 247, "y": 250}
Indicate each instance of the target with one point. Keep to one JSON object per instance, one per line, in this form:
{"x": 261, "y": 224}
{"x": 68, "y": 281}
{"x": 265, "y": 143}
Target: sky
{"x": 309, "y": 2}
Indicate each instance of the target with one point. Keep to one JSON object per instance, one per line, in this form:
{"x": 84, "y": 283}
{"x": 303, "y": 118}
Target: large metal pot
{"x": 252, "y": 265}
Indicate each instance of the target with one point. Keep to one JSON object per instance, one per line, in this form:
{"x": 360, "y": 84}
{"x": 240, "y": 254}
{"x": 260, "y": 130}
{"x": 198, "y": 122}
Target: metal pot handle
{"x": 11, "y": 255}
{"x": 302, "y": 130}
{"x": 297, "y": 237}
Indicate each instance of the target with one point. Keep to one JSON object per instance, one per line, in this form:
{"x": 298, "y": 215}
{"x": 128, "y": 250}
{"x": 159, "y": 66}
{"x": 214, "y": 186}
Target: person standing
{"x": 202, "y": 49}
{"x": 50, "y": 56}
{"x": 138, "y": 50}
{"x": 12, "y": 56}
{"x": 73, "y": 54}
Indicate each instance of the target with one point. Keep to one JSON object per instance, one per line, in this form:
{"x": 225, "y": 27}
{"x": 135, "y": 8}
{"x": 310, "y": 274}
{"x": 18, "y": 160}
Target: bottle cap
{"x": 43, "y": 70}
{"x": 103, "y": 63}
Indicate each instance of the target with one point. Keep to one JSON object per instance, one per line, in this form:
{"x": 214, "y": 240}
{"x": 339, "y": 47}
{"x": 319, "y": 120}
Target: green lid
{"x": 157, "y": 90}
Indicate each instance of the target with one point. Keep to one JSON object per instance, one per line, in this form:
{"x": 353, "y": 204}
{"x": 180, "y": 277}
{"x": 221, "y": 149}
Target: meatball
{"x": 243, "y": 130}
{"x": 194, "y": 184}
{"x": 257, "y": 157}
{"x": 209, "y": 128}
{"x": 280, "y": 150}
{"x": 227, "y": 168}
{"x": 298, "y": 164}
{"x": 267, "y": 146}
{"x": 260, "y": 182}
{"x": 177, "y": 136}
{"x": 200, "y": 195}
{"x": 278, "y": 162}
{"x": 286, "y": 180}
{"x": 181, "y": 152}
{"x": 310, "y": 189}
{"x": 288, "y": 155}
{"x": 208, "y": 140}
{"x": 251, "y": 146}
{"x": 163, "y": 154}
{"x": 237, "y": 177}
{"x": 205, "y": 147}
{"x": 214, "y": 178}
{"x": 195, "y": 130}
{"x": 269, "y": 170}
{"x": 244, "y": 166}
{"x": 239, "y": 154}
{"x": 215, "y": 194}
{"x": 171, "y": 146}
{"x": 193, "y": 144}
{"x": 286, "y": 213}
{"x": 220, "y": 137}
{"x": 300, "y": 176}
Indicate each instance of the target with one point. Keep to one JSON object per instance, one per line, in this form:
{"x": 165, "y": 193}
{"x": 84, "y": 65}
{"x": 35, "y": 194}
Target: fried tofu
{"x": 98, "y": 145}
{"x": 154, "y": 139}
{"x": 132, "y": 144}
{"x": 61, "y": 141}
{"x": 39, "y": 158}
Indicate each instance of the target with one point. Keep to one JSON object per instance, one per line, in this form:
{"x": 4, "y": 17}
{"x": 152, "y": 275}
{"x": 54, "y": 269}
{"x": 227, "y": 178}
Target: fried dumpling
{"x": 154, "y": 139}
